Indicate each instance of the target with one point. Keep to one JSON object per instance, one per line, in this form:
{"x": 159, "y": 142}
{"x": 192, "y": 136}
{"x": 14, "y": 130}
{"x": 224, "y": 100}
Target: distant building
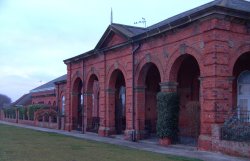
{"x": 48, "y": 92}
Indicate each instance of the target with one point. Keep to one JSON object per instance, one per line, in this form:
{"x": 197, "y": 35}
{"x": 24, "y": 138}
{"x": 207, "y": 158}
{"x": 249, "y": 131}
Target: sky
{"x": 37, "y": 35}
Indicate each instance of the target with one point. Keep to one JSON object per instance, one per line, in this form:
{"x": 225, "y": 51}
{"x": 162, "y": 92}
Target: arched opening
{"x": 63, "y": 106}
{"x": 120, "y": 100}
{"x": 54, "y": 104}
{"x": 93, "y": 120}
{"x": 241, "y": 86}
{"x": 152, "y": 84}
{"x": 149, "y": 79}
{"x": 188, "y": 89}
{"x": 77, "y": 105}
{"x": 118, "y": 84}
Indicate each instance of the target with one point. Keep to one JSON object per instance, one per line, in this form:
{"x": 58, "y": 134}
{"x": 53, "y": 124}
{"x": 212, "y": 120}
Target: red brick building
{"x": 203, "y": 54}
{"x": 49, "y": 93}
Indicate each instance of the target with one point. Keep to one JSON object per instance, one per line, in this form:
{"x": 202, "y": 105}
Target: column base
{"x": 106, "y": 131}
{"x": 68, "y": 126}
{"x": 139, "y": 134}
{"x": 205, "y": 142}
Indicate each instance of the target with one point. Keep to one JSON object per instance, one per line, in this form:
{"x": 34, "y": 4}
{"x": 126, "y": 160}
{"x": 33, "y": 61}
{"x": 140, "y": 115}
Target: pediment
{"x": 110, "y": 38}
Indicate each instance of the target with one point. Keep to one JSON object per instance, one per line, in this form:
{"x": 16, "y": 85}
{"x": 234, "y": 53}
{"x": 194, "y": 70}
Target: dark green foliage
{"x": 10, "y": 112}
{"x": 235, "y": 130}
{"x": 168, "y": 115}
{"x": 238, "y": 132}
{"x": 23, "y": 113}
{"x": 33, "y": 108}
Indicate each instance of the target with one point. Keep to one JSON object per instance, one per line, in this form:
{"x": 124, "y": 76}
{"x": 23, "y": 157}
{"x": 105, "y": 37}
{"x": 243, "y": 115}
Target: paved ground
{"x": 142, "y": 145}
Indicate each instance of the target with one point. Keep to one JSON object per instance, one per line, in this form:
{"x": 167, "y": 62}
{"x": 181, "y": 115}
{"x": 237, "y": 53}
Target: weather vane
{"x": 143, "y": 21}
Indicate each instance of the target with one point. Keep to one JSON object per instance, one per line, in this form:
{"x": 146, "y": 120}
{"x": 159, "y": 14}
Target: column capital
{"x": 168, "y": 86}
{"x": 87, "y": 93}
{"x": 74, "y": 93}
{"x": 139, "y": 89}
{"x": 201, "y": 78}
{"x": 110, "y": 91}
{"x": 231, "y": 78}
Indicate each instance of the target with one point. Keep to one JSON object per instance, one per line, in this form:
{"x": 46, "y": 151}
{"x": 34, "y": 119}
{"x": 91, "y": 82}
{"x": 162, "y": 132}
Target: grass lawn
{"x": 18, "y": 144}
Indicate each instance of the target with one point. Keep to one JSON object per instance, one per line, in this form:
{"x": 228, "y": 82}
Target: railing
{"x": 236, "y": 126}
{"x": 94, "y": 124}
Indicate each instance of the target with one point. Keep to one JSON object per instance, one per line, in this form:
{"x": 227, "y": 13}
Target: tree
{"x": 4, "y": 100}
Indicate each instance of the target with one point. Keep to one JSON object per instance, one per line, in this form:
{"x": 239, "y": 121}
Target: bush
{"x": 34, "y": 107}
{"x": 22, "y": 112}
{"x": 168, "y": 115}
{"x": 10, "y": 112}
{"x": 236, "y": 133}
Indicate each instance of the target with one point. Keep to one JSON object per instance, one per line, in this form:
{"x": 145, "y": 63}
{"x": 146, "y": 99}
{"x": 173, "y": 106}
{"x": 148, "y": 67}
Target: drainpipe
{"x": 58, "y": 110}
{"x": 83, "y": 97}
{"x": 133, "y": 95}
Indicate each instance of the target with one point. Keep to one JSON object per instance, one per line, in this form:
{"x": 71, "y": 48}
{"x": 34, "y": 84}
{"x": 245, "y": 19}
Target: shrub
{"x": 34, "y": 107}
{"x": 10, "y": 112}
{"x": 22, "y": 112}
{"x": 168, "y": 115}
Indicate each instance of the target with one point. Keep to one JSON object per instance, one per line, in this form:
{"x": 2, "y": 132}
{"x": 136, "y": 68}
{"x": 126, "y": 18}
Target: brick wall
{"x": 44, "y": 97}
{"x": 214, "y": 43}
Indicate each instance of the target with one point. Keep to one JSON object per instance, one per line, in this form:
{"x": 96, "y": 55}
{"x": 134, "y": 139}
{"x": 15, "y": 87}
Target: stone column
{"x": 139, "y": 94}
{"x": 216, "y": 102}
{"x": 88, "y": 105}
{"x": 109, "y": 127}
{"x": 17, "y": 111}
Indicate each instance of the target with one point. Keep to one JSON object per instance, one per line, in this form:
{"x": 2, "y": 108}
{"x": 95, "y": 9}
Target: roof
{"x": 240, "y": 5}
{"x": 129, "y": 31}
{"x": 22, "y": 101}
{"x": 134, "y": 34}
{"x": 50, "y": 85}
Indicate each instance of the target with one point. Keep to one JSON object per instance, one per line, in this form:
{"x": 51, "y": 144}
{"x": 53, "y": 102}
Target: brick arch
{"x": 92, "y": 102}
{"x": 111, "y": 75}
{"x": 75, "y": 83}
{"x": 90, "y": 75}
{"x": 176, "y": 59}
{"x": 234, "y": 56}
{"x": 76, "y": 119}
{"x": 143, "y": 63}
{"x": 77, "y": 75}
{"x": 62, "y": 93}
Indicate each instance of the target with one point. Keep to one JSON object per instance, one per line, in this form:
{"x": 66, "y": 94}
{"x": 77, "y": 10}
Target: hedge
{"x": 10, "y": 112}
{"x": 23, "y": 113}
{"x": 168, "y": 115}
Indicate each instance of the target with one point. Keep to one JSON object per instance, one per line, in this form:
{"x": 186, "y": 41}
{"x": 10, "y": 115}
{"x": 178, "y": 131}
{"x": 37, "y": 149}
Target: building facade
{"x": 202, "y": 54}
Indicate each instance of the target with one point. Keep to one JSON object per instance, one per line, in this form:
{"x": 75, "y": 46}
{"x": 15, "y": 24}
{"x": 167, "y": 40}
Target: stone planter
{"x": 165, "y": 141}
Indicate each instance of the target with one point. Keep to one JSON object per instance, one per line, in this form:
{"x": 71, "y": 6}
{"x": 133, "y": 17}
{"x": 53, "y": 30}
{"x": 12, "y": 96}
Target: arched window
{"x": 63, "y": 105}
{"x": 244, "y": 95}
{"x": 122, "y": 97}
{"x": 54, "y": 104}
{"x": 81, "y": 100}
